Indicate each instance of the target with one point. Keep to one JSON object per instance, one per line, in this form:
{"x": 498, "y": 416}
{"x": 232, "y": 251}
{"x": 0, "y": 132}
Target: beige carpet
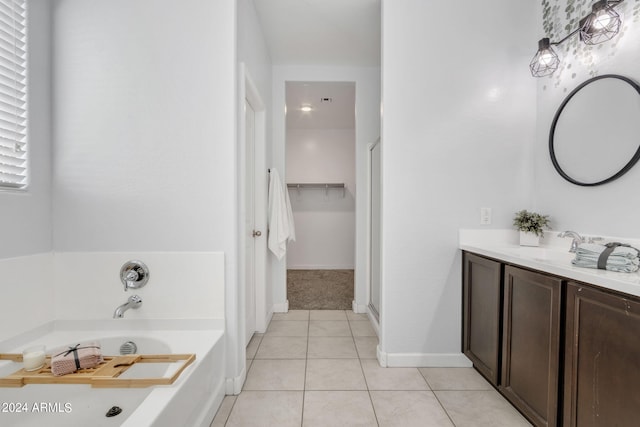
{"x": 320, "y": 289}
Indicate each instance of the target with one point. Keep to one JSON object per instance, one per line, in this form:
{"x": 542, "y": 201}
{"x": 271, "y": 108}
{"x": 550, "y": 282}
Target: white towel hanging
{"x": 281, "y": 227}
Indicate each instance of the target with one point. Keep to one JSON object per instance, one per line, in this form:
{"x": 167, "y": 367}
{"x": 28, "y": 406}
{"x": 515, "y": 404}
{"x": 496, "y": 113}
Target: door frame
{"x": 247, "y": 90}
{"x": 374, "y": 312}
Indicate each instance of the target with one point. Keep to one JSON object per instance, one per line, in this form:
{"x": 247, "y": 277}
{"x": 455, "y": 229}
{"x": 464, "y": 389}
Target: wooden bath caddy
{"x": 104, "y": 375}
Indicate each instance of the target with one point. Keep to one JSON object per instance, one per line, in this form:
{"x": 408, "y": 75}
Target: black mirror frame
{"x": 556, "y": 165}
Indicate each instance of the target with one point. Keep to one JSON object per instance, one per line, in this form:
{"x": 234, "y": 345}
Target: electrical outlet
{"x": 485, "y": 216}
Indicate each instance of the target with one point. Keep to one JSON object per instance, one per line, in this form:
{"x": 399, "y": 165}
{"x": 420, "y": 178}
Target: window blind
{"x": 13, "y": 94}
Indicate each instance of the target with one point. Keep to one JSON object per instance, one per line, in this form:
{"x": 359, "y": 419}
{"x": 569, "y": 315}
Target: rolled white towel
{"x": 593, "y": 250}
{"x": 621, "y": 258}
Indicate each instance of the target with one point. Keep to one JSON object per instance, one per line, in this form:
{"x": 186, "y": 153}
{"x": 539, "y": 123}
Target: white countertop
{"x": 552, "y": 256}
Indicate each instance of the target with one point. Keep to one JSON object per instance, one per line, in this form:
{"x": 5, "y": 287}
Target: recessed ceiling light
{"x": 306, "y": 108}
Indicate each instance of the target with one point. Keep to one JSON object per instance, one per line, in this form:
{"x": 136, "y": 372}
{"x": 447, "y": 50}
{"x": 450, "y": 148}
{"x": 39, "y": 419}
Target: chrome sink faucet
{"x": 577, "y": 239}
{"x": 134, "y": 302}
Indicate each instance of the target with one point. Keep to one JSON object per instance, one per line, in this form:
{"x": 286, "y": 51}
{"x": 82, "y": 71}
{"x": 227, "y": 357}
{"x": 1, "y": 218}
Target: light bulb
{"x": 546, "y": 58}
{"x": 602, "y": 20}
{"x": 305, "y": 108}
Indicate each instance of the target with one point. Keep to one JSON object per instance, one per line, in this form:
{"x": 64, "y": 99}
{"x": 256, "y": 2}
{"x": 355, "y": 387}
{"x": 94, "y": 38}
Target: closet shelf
{"x": 323, "y": 185}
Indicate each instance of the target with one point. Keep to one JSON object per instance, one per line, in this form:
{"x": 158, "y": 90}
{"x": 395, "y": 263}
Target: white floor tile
{"x": 276, "y": 375}
{"x": 274, "y": 347}
{"x": 328, "y": 315}
{"x": 267, "y": 409}
{"x": 329, "y": 328}
{"x": 332, "y": 348}
{"x": 334, "y": 374}
{"x": 480, "y": 409}
{"x": 455, "y": 379}
{"x": 392, "y": 378}
{"x": 292, "y": 315}
{"x": 338, "y": 408}
{"x": 409, "y": 409}
{"x": 367, "y": 347}
{"x": 362, "y": 328}
{"x": 288, "y": 328}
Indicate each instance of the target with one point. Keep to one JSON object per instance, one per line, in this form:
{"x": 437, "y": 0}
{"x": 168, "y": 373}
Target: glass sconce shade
{"x": 602, "y": 24}
{"x": 545, "y": 61}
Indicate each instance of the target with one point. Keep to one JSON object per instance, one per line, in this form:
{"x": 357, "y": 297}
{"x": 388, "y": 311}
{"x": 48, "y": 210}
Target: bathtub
{"x": 191, "y": 400}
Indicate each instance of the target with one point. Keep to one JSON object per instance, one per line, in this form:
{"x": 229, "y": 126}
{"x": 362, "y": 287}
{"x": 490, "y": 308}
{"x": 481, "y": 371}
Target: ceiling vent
{"x": 326, "y": 99}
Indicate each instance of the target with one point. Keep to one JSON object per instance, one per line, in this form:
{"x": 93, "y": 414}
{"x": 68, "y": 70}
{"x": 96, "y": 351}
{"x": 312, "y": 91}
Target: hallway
{"x": 319, "y": 368}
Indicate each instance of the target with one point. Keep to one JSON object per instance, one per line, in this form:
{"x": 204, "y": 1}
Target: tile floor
{"x": 319, "y": 368}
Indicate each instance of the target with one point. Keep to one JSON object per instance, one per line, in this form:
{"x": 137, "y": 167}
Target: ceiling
{"x": 338, "y": 113}
{"x": 321, "y": 32}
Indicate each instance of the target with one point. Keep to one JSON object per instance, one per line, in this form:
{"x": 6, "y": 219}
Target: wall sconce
{"x": 602, "y": 24}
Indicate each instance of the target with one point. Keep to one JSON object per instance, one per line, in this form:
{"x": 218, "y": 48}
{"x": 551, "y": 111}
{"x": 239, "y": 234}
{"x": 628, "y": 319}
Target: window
{"x": 13, "y": 94}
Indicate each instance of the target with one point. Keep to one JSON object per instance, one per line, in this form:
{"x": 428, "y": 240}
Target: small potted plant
{"x": 531, "y": 226}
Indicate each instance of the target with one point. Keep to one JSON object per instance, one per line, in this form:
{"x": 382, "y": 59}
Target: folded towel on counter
{"x": 81, "y": 356}
{"x": 612, "y": 256}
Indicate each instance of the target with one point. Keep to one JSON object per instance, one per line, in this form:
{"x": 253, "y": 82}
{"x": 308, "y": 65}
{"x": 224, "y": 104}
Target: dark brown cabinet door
{"x": 531, "y": 344}
{"x": 482, "y": 286}
{"x": 602, "y": 359}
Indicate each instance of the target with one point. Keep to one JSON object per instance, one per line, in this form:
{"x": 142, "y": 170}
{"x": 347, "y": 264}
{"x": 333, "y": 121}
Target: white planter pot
{"x": 529, "y": 239}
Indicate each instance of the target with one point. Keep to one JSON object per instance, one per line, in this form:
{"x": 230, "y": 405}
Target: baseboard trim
{"x": 281, "y": 308}
{"x": 320, "y": 267}
{"x": 358, "y": 308}
{"x": 233, "y": 386}
{"x": 422, "y": 360}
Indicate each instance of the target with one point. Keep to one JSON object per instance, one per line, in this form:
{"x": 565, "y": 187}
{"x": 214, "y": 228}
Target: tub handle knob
{"x": 134, "y": 275}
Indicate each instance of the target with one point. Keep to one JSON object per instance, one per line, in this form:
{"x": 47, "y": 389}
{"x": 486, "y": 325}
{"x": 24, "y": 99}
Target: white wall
{"x": 458, "y": 121}
{"x": 27, "y": 294}
{"x": 27, "y": 214}
{"x": 610, "y": 209}
{"x": 25, "y": 267}
{"x": 367, "y": 81}
{"x": 144, "y": 133}
{"x": 324, "y": 221}
{"x": 182, "y": 285}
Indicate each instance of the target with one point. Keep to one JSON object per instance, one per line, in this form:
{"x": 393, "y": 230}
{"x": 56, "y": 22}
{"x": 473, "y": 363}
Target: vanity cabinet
{"x": 602, "y": 358}
{"x": 482, "y": 294}
{"x": 531, "y": 343}
{"x": 562, "y": 352}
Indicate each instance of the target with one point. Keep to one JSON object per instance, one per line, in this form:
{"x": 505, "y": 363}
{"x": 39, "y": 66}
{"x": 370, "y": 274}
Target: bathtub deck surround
{"x": 191, "y": 400}
{"x": 319, "y": 368}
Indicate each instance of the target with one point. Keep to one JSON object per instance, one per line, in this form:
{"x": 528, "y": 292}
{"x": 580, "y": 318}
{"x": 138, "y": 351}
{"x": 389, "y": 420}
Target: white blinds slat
{"x": 12, "y": 81}
{"x": 14, "y": 6}
{"x": 18, "y": 170}
{"x": 12, "y": 117}
{"x": 12, "y": 38}
{"x": 9, "y": 46}
{"x": 10, "y": 21}
{"x": 11, "y": 179}
{"x": 13, "y": 108}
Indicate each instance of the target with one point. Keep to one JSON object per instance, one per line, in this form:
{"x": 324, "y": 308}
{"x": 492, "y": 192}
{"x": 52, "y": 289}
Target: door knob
{"x": 256, "y": 233}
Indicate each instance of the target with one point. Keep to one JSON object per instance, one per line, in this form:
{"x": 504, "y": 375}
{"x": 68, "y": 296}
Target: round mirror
{"x": 595, "y": 134}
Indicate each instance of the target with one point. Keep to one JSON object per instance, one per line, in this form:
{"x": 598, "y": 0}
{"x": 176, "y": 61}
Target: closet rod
{"x": 326, "y": 186}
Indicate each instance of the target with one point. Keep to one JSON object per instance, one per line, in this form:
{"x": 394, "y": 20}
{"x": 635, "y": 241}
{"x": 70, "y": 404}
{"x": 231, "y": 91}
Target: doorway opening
{"x": 320, "y": 176}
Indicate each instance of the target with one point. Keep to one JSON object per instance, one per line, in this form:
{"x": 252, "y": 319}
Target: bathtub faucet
{"x": 134, "y": 302}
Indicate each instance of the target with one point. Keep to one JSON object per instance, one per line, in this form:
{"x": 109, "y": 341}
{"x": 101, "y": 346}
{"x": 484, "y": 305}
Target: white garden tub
{"x": 191, "y": 400}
